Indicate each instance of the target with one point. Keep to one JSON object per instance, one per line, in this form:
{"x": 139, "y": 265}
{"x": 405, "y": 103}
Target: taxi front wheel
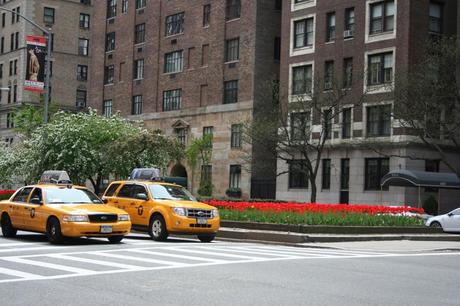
{"x": 157, "y": 228}
{"x": 115, "y": 239}
{"x": 53, "y": 231}
{"x": 7, "y": 227}
{"x": 206, "y": 238}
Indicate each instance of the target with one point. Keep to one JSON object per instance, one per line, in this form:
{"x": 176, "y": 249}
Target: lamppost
{"x": 48, "y": 59}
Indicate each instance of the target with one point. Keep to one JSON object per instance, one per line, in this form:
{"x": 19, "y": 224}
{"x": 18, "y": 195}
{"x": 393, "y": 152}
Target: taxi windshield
{"x": 169, "y": 192}
{"x": 70, "y": 196}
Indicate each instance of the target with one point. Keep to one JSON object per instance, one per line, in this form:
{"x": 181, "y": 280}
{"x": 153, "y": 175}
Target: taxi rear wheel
{"x": 157, "y": 228}
{"x": 53, "y": 231}
{"x": 206, "y": 238}
{"x": 7, "y": 227}
{"x": 115, "y": 239}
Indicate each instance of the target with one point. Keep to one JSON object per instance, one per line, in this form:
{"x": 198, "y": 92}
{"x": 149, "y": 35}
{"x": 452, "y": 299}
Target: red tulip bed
{"x": 6, "y": 194}
{"x": 318, "y": 214}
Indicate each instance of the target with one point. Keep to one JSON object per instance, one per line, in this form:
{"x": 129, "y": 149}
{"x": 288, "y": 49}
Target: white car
{"x": 449, "y": 222}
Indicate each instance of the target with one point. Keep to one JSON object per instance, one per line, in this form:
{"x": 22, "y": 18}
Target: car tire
{"x": 436, "y": 224}
{"x": 157, "y": 228}
{"x": 206, "y": 238}
{"x": 115, "y": 239}
{"x": 53, "y": 231}
{"x": 8, "y": 230}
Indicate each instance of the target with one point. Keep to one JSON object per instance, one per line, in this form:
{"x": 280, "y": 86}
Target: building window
{"x": 124, "y": 6}
{"x": 349, "y": 22}
{"x": 432, "y": 165}
{"x": 139, "y": 33}
{"x": 204, "y": 55}
{"x": 2, "y": 45}
{"x": 172, "y": 100}
{"x": 10, "y": 120}
{"x": 108, "y": 74}
{"x": 208, "y": 130}
{"x": 300, "y": 126}
{"x": 330, "y": 27}
{"x": 232, "y": 50}
{"x": 436, "y": 20}
{"x": 82, "y": 72}
{"x": 84, "y": 21}
{"x": 110, "y": 42}
{"x": 303, "y": 33}
{"x": 174, "y": 24}
{"x": 206, "y": 15}
{"x": 375, "y": 169}
{"x": 111, "y": 8}
{"x": 298, "y": 177}
{"x": 326, "y": 178}
{"x": 327, "y": 123}
{"x": 137, "y": 105}
{"x": 378, "y": 120}
{"x": 107, "y": 108}
{"x": 236, "y": 136}
{"x": 1, "y": 71}
{"x": 347, "y": 72}
{"x": 83, "y": 45}
{"x": 235, "y": 176}
{"x": 277, "y": 49}
{"x": 174, "y": 62}
{"x": 328, "y": 75}
{"x": 140, "y": 4}
{"x": 81, "y": 98}
{"x": 231, "y": 92}
{"x": 182, "y": 135}
{"x": 301, "y": 80}
{"x": 380, "y": 67}
{"x": 139, "y": 69}
{"x": 48, "y": 15}
{"x": 344, "y": 174}
{"x": 382, "y": 17}
{"x": 16, "y": 41}
{"x": 346, "y": 123}
{"x": 233, "y": 9}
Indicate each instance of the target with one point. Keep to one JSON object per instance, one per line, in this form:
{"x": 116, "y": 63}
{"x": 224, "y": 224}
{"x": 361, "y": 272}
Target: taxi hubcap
{"x": 156, "y": 228}
{"x": 53, "y": 230}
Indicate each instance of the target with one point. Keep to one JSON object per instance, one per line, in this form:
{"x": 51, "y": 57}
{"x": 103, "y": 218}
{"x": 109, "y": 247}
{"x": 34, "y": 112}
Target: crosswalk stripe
{"x": 19, "y": 273}
{"x": 149, "y": 260}
{"x": 216, "y": 253}
{"x": 175, "y": 255}
{"x": 285, "y": 252}
{"x": 96, "y": 262}
{"x": 323, "y": 251}
{"x": 252, "y": 251}
{"x": 35, "y": 248}
{"x": 48, "y": 265}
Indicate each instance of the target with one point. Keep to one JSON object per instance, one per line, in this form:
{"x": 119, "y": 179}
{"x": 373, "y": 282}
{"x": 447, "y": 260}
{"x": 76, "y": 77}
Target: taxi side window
{"x": 36, "y": 196}
{"x": 138, "y": 189}
{"x": 126, "y": 191}
{"x": 111, "y": 190}
{"x": 22, "y": 195}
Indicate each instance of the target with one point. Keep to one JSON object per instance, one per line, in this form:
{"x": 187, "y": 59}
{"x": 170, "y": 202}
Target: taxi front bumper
{"x": 93, "y": 229}
{"x": 186, "y": 225}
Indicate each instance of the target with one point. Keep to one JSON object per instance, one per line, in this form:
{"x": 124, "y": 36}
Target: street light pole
{"x": 48, "y": 59}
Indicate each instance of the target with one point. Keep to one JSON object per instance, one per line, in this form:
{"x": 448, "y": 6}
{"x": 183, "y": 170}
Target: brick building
{"x": 375, "y": 39}
{"x": 70, "y": 23}
{"x": 188, "y": 70}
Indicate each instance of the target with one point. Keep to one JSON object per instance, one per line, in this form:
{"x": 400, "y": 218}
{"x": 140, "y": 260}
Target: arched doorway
{"x": 179, "y": 171}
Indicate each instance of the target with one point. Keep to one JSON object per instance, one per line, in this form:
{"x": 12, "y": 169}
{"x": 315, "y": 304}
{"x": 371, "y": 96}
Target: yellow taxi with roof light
{"x": 162, "y": 208}
{"x": 59, "y": 209}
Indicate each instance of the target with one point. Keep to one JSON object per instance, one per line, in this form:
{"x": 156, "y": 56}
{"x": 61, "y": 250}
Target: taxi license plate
{"x": 106, "y": 229}
{"x": 201, "y": 221}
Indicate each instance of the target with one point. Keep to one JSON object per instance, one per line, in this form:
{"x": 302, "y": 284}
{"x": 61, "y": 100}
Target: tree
{"x": 7, "y": 161}
{"x": 297, "y": 132}
{"x": 200, "y": 153}
{"x": 427, "y": 99}
{"x": 89, "y": 146}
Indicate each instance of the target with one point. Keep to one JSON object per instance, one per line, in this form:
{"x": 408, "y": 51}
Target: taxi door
{"x": 123, "y": 198}
{"x": 35, "y": 215}
{"x": 18, "y": 206}
{"x": 138, "y": 209}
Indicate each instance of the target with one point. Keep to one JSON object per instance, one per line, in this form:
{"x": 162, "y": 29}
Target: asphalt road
{"x": 186, "y": 272}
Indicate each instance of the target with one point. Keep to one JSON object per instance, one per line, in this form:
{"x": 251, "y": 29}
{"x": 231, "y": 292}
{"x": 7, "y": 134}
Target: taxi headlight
{"x": 123, "y": 217}
{"x": 215, "y": 213}
{"x": 75, "y": 218}
{"x": 180, "y": 211}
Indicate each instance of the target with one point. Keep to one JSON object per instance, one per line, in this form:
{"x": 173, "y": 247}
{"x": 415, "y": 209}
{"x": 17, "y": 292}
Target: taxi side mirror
{"x": 142, "y": 196}
{"x": 105, "y": 201}
{"x": 36, "y": 201}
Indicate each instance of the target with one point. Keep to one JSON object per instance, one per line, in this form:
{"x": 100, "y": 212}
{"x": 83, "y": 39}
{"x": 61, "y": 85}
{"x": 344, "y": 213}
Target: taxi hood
{"x": 186, "y": 204}
{"x": 87, "y": 208}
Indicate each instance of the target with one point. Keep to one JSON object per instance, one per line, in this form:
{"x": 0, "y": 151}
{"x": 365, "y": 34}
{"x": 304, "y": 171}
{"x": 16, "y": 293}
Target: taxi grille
{"x": 199, "y": 213}
{"x": 103, "y": 218}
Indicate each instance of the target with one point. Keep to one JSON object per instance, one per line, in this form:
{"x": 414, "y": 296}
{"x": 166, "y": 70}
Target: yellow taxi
{"x": 162, "y": 208}
{"x": 60, "y": 209}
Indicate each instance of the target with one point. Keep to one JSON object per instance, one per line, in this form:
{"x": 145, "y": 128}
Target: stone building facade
{"x": 331, "y": 35}
{"x": 70, "y": 23}
{"x": 188, "y": 70}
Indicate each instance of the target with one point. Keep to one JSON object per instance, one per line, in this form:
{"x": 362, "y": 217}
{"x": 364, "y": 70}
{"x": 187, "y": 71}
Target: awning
{"x": 412, "y": 178}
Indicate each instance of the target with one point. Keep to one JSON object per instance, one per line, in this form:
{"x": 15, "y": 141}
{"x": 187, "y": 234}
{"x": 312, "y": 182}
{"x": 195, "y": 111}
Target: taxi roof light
{"x": 55, "y": 177}
{"x": 148, "y": 174}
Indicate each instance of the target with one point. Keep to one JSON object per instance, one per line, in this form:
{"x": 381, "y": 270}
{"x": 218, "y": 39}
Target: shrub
{"x": 233, "y": 192}
{"x": 431, "y": 205}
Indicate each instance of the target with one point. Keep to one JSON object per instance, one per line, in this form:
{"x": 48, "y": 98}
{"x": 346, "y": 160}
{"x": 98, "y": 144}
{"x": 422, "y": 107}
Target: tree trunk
{"x": 93, "y": 183}
{"x": 313, "y": 190}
